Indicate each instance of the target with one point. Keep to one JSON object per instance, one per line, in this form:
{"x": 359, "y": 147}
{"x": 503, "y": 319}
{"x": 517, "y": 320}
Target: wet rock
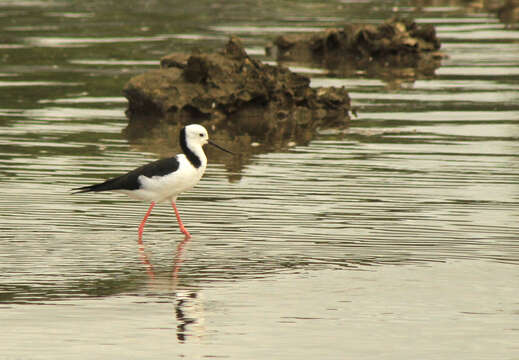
{"x": 394, "y": 44}
{"x": 175, "y": 60}
{"x": 230, "y": 92}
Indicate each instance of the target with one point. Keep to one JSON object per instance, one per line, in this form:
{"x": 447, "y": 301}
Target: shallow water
{"x": 395, "y": 236}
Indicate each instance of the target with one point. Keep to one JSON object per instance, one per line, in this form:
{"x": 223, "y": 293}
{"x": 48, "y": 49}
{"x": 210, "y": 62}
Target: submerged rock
{"x": 231, "y": 93}
{"x": 394, "y": 44}
{"x": 509, "y": 13}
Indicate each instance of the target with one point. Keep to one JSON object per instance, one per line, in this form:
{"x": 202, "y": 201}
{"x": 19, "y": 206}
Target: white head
{"x": 192, "y": 138}
{"x": 194, "y": 135}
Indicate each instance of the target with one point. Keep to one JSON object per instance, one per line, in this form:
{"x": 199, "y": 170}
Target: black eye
{"x": 201, "y": 135}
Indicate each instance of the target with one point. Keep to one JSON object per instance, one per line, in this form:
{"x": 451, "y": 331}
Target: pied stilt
{"x": 164, "y": 179}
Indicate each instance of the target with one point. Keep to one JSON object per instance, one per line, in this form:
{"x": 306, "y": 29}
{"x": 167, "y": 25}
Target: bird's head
{"x": 196, "y": 135}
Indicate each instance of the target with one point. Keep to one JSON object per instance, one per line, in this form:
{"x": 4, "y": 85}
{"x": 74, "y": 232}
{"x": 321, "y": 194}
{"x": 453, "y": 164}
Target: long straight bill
{"x": 219, "y": 147}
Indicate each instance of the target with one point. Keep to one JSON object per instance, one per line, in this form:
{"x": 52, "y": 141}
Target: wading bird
{"x": 164, "y": 179}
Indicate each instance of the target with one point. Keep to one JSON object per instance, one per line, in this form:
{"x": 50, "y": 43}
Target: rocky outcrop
{"x": 394, "y": 44}
{"x": 229, "y": 90}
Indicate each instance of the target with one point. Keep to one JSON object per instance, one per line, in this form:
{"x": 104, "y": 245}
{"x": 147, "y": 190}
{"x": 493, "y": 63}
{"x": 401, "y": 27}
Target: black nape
{"x": 191, "y": 156}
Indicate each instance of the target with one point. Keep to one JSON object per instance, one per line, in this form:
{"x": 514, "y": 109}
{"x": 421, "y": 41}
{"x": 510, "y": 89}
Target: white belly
{"x": 168, "y": 187}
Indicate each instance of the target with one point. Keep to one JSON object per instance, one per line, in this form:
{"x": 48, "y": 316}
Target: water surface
{"x": 396, "y": 236}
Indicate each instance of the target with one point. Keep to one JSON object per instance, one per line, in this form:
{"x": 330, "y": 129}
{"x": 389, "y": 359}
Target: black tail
{"x": 83, "y": 189}
{"x": 80, "y": 190}
{"x": 105, "y": 186}
{"x": 130, "y": 181}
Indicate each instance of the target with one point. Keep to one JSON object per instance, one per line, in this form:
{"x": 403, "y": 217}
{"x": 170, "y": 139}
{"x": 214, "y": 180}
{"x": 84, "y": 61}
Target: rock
{"x": 175, "y": 60}
{"x": 229, "y": 90}
{"x": 396, "y": 43}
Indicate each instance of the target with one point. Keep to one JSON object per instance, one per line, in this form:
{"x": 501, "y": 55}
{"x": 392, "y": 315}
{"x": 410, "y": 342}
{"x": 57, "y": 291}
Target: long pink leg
{"x": 182, "y": 228}
{"x": 143, "y": 222}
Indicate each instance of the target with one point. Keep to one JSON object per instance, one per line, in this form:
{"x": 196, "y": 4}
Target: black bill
{"x": 219, "y": 147}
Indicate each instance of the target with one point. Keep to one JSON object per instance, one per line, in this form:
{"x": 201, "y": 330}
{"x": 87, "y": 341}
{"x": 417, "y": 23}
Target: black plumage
{"x": 130, "y": 181}
{"x": 191, "y": 156}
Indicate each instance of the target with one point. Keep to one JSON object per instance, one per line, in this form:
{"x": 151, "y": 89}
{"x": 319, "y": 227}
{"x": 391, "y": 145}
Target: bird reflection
{"x": 146, "y": 261}
{"x": 188, "y": 311}
{"x": 179, "y": 258}
{"x": 188, "y": 306}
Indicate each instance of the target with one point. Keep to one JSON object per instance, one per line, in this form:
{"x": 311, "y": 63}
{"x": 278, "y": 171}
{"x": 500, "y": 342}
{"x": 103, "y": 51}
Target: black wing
{"x": 130, "y": 181}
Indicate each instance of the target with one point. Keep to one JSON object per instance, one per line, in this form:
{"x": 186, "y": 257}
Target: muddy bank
{"x": 397, "y": 47}
{"x": 241, "y": 100}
